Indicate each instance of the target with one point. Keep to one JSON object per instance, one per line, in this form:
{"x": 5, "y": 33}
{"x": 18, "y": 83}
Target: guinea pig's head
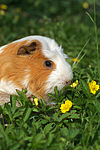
{"x": 47, "y": 67}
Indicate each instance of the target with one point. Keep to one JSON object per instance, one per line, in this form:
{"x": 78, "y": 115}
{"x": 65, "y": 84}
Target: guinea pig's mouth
{"x": 68, "y": 83}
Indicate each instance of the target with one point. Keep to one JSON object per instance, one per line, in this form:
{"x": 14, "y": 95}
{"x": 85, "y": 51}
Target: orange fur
{"x": 15, "y": 67}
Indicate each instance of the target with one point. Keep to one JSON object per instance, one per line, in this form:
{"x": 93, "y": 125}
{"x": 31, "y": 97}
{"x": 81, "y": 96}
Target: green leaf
{"x": 69, "y": 133}
{"x": 15, "y": 146}
{"x": 8, "y": 108}
{"x": 48, "y": 127}
{"x": 44, "y": 121}
{"x": 97, "y": 105}
{"x": 65, "y": 131}
{"x": 4, "y": 135}
{"x": 13, "y": 100}
{"x": 85, "y": 88}
{"x": 17, "y": 114}
{"x": 39, "y": 138}
{"x": 61, "y": 92}
{"x": 56, "y": 91}
{"x": 22, "y": 98}
{"x": 13, "y": 110}
{"x": 46, "y": 117}
{"x": 1, "y": 110}
{"x": 35, "y": 109}
{"x": 73, "y": 132}
{"x": 76, "y": 107}
{"x": 74, "y": 116}
{"x": 55, "y": 116}
{"x": 51, "y": 95}
{"x": 50, "y": 139}
{"x": 66, "y": 115}
{"x": 26, "y": 114}
{"x": 98, "y": 94}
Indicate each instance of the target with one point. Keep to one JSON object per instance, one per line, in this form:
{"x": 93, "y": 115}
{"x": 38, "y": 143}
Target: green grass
{"x": 45, "y": 127}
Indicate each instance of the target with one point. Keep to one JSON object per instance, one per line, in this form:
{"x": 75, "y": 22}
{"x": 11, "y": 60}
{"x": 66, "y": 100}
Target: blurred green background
{"x": 64, "y": 20}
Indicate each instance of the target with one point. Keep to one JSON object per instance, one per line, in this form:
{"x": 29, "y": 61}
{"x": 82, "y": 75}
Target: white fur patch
{"x": 1, "y": 49}
{"x": 62, "y": 75}
{"x": 8, "y": 87}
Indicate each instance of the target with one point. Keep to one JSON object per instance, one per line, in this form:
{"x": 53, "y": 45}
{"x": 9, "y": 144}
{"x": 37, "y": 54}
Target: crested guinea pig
{"x": 36, "y": 63}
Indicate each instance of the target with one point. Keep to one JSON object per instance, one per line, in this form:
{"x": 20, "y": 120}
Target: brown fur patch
{"x": 28, "y": 49}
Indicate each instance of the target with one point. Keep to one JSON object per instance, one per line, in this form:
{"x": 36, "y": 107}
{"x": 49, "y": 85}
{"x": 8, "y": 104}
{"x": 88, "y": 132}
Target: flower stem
{"x": 96, "y": 37}
{"x": 96, "y": 40}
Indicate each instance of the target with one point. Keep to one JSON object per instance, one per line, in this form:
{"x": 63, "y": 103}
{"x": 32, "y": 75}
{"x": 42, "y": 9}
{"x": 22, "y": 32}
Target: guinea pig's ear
{"x": 27, "y": 49}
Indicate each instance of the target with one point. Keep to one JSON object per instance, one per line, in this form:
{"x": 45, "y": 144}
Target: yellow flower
{"x": 66, "y": 107}
{"x": 2, "y": 12}
{"x": 75, "y": 59}
{"x": 36, "y": 101}
{"x": 74, "y": 84}
{"x": 93, "y": 87}
{"x": 3, "y": 6}
{"x": 85, "y": 5}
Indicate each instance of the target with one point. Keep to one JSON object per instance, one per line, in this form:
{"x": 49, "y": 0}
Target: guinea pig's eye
{"x": 48, "y": 64}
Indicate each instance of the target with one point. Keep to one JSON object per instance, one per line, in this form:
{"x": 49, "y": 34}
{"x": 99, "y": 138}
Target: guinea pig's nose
{"x": 68, "y": 82}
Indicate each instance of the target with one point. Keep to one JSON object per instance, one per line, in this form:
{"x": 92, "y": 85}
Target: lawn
{"x": 73, "y": 123}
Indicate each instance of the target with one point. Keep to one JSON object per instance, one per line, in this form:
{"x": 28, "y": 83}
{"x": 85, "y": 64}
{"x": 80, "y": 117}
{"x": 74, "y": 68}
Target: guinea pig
{"x": 36, "y": 63}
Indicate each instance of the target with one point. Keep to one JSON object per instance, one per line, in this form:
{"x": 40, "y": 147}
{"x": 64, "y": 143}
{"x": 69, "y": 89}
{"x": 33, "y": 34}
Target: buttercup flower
{"x": 66, "y": 107}
{"x": 75, "y": 59}
{"x": 36, "y": 101}
{"x": 3, "y": 6}
{"x": 85, "y": 5}
{"x": 2, "y": 12}
{"x": 74, "y": 84}
{"x": 93, "y": 87}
